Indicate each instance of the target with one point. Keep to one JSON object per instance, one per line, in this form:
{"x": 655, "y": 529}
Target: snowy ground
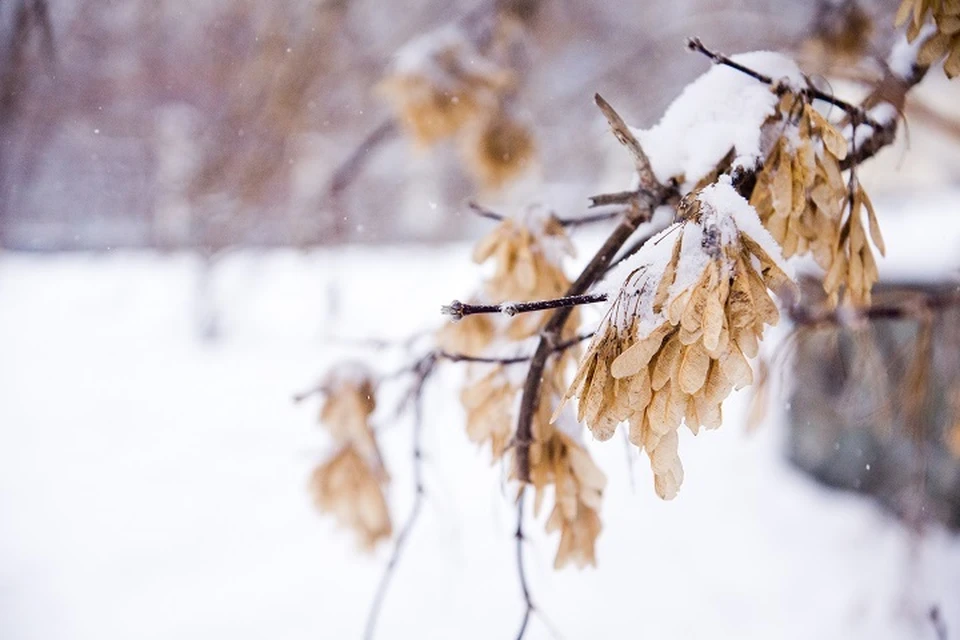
{"x": 152, "y": 485}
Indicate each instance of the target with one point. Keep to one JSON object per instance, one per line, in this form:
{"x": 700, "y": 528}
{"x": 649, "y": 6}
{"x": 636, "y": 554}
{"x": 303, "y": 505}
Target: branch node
{"x": 454, "y": 310}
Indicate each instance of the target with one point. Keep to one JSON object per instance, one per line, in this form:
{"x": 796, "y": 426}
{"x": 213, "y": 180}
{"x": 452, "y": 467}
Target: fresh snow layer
{"x": 153, "y": 486}
{"x": 720, "y": 110}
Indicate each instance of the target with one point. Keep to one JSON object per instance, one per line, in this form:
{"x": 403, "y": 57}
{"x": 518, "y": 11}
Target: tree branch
{"x": 521, "y": 572}
{"x": 649, "y": 195}
{"x": 459, "y": 357}
{"x": 417, "y": 397}
{"x": 460, "y": 310}
{"x": 483, "y": 212}
{"x": 694, "y": 44}
{"x": 350, "y": 168}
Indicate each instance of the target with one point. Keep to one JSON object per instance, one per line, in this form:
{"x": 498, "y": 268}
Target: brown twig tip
{"x": 459, "y": 310}
{"x": 695, "y": 44}
{"x": 454, "y": 310}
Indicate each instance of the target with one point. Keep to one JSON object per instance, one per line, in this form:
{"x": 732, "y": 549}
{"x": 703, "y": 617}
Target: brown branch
{"x": 891, "y": 90}
{"x": 459, "y": 357}
{"x": 650, "y": 194}
{"x": 459, "y": 310}
{"x": 529, "y": 607}
{"x": 634, "y": 247}
{"x": 350, "y": 168}
{"x": 918, "y": 304}
{"x": 939, "y": 626}
{"x": 694, "y": 44}
{"x": 627, "y": 139}
{"x": 483, "y": 212}
{"x": 424, "y": 371}
{"x": 554, "y": 327}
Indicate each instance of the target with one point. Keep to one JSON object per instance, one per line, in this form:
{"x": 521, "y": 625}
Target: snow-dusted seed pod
{"x": 678, "y": 333}
{"x": 440, "y": 83}
{"x": 801, "y": 196}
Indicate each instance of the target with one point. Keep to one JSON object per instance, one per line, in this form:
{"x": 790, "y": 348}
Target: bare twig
{"x": 417, "y": 399}
{"x": 350, "y": 168}
{"x": 529, "y": 607}
{"x": 460, "y": 310}
{"x": 939, "y": 626}
{"x": 650, "y": 195}
{"x": 917, "y": 305}
{"x": 562, "y": 346}
{"x": 483, "y": 212}
{"x": 694, "y": 44}
{"x": 627, "y": 139}
{"x": 635, "y": 246}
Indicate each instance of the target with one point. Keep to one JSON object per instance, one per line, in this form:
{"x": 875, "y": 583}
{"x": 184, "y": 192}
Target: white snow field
{"x": 153, "y": 485}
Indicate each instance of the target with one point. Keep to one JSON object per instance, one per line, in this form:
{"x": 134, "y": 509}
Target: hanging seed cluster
{"x": 351, "y": 484}
{"x": 444, "y": 86}
{"x": 559, "y": 460}
{"x": 802, "y": 198}
{"x": 677, "y": 336}
{"x": 945, "y": 43}
{"x": 527, "y": 254}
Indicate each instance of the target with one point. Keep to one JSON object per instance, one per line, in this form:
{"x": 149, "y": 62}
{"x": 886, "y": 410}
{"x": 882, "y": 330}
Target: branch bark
{"x": 650, "y": 194}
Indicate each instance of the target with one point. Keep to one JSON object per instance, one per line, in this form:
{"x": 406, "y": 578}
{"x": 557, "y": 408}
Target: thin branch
{"x": 939, "y": 626}
{"x": 459, "y": 357}
{"x": 483, "y": 212}
{"x": 918, "y": 304}
{"x": 350, "y": 168}
{"x": 650, "y": 195}
{"x": 460, "y": 310}
{"x": 634, "y": 247}
{"x": 419, "y": 493}
{"x": 694, "y": 44}
{"x": 620, "y": 197}
{"x": 529, "y": 607}
{"x": 588, "y": 277}
{"x": 627, "y": 139}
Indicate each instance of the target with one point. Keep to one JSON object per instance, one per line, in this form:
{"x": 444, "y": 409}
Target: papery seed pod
{"x": 440, "y": 83}
{"x": 346, "y": 486}
{"x": 676, "y": 336}
{"x": 489, "y": 403}
{"x": 802, "y": 197}
{"x": 350, "y": 485}
{"x": 945, "y": 42}
{"x": 559, "y": 460}
{"x": 499, "y": 150}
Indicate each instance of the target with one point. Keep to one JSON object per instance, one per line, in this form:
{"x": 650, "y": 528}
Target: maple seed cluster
{"x": 945, "y": 42}
{"x": 350, "y": 484}
{"x": 801, "y": 196}
{"x": 527, "y": 252}
{"x": 443, "y": 86}
{"x": 676, "y": 338}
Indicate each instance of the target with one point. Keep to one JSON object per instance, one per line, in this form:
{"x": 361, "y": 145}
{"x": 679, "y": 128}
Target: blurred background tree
{"x": 143, "y": 123}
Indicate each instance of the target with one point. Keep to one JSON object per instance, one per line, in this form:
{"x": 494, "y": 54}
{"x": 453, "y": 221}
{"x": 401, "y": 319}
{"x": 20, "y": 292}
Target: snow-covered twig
{"x": 459, "y": 310}
{"x": 694, "y": 44}
{"x": 649, "y": 195}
